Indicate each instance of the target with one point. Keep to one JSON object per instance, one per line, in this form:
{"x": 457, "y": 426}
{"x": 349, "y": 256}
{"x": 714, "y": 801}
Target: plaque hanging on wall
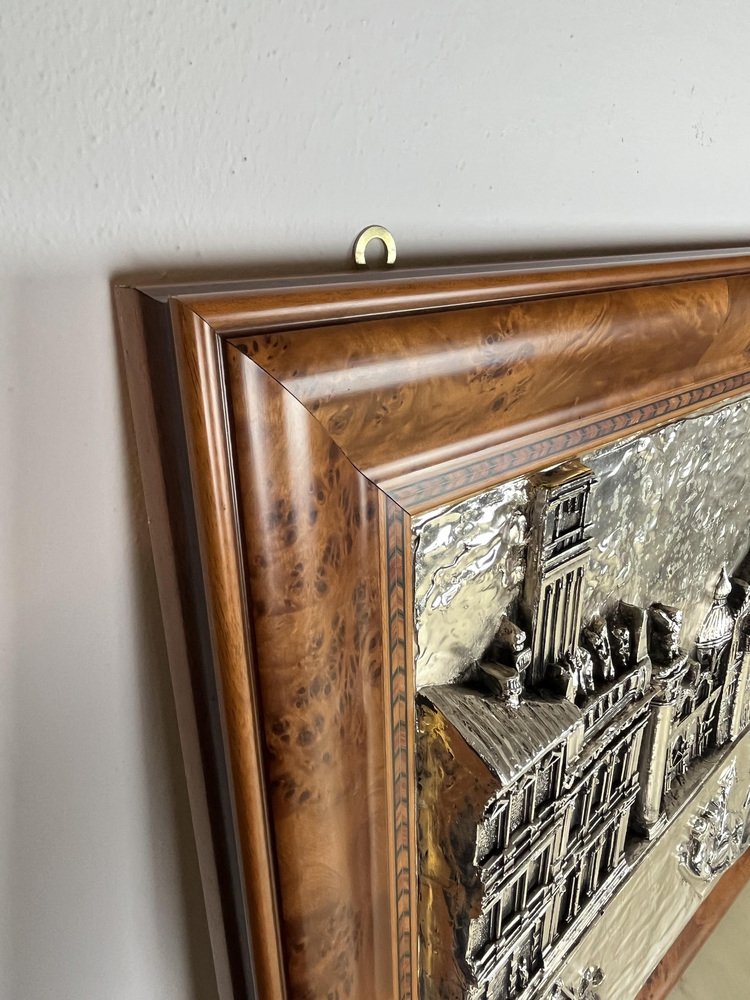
{"x": 454, "y": 573}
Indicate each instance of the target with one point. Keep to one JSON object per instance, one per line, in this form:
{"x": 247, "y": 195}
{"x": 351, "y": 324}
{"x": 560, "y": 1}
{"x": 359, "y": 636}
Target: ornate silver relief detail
{"x": 716, "y": 833}
{"x": 470, "y": 557}
{"x": 563, "y": 731}
{"x": 586, "y": 989}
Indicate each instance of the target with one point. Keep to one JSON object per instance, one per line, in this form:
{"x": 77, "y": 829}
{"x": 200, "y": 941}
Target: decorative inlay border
{"x": 477, "y": 473}
{"x": 402, "y": 765}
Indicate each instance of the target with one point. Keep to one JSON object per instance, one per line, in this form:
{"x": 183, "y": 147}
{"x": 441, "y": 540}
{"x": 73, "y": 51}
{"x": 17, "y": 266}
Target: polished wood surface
{"x": 157, "y": 417}
{"x": 309, "y": 420}
{"x": 278, "y": 304}
{"x": 157, "y": 471}
{"x": 313, "y": 575}
{"x": 212, "y": 477}
{"x": 669, "y": 971}
{"x": 412, "y": 400}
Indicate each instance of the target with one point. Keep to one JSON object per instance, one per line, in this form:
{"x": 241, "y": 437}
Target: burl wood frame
{"x": 288, "y": 433}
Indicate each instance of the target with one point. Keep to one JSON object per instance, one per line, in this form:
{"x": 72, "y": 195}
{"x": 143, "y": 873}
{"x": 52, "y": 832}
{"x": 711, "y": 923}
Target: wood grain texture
{"x": 201, "y": 382}
{"x": 669, "y": 971}
{"x": 317, "y": 416}
{"x": 310, "y": 523}
{"x": 409, "y": 398}
{"x": 313, "y": 301}
{"x": 149, "y": 360}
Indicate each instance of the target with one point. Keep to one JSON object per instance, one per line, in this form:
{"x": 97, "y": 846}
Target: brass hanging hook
{"x": 365, "y": 238}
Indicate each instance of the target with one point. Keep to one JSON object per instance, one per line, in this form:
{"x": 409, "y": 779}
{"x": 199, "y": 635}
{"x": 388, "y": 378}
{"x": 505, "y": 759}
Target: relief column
{"x": 670, "y": 663}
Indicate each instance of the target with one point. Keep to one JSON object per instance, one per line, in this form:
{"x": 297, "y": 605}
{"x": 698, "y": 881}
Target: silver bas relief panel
{"x": 670, "y": 506}
{"x": 628, "y": 946}
{"x": 584, "y": 989}
{"x": 471, "y": 558}
{"x": 585, "y": 633}
{"x": 716, "y": 833}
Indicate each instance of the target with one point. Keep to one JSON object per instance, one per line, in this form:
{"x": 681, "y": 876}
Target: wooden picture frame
{"x": 288, "y": 432}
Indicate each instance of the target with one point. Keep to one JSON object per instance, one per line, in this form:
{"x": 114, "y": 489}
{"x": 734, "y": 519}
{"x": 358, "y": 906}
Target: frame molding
{"x": 356, "y": 402}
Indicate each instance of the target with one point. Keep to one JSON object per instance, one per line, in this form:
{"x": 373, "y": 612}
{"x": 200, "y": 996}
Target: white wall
{"x": 160, "y": 137}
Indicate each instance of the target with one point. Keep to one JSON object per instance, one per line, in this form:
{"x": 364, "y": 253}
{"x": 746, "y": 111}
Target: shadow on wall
{"x": 102, "y": 885}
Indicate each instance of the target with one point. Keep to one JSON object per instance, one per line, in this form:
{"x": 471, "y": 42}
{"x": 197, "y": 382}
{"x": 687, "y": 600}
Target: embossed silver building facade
{"x": 670, "y": 507}
{"x": 560, "y": 747}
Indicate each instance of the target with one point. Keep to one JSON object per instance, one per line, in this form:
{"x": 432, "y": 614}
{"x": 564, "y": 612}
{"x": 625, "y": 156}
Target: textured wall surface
{"x": 163, "y": 138}
{"x": 668, "y": 509}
